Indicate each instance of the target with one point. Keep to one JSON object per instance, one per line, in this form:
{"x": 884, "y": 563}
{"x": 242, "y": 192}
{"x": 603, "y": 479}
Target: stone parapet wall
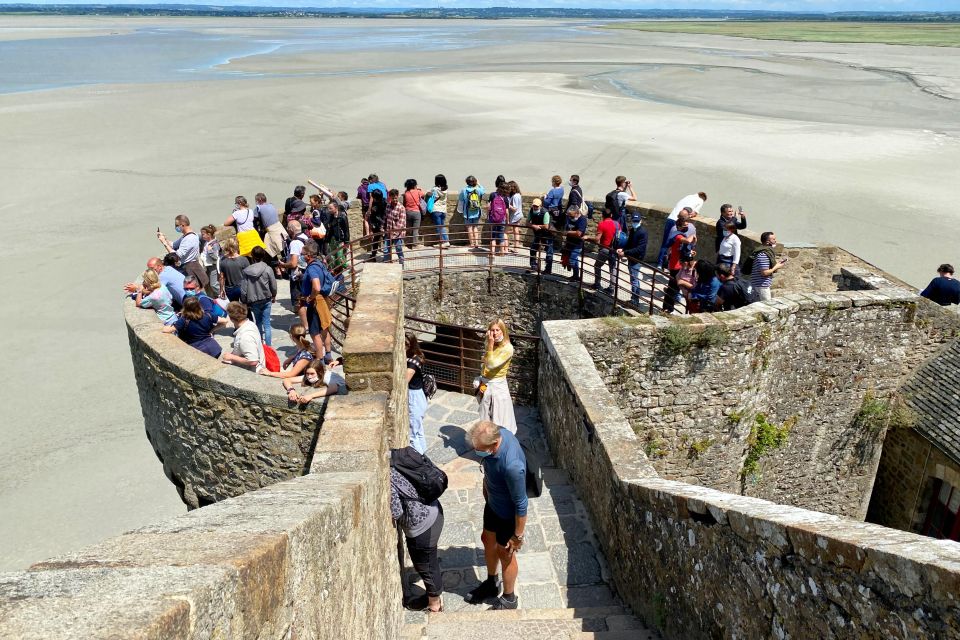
{"x": 311, "y": 557}
{"x": 696, "y": 562}
{"x": 698, "y": 390}
{"x": 219, "y": 430}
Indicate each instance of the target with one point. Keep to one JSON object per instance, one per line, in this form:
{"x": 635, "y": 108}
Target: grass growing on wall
{"x": 765, "y": 436}
{"x": 877, "y": 414}
{"x": 678, "y": 339}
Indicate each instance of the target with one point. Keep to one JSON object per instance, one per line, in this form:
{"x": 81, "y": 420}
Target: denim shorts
{"x": 496, "y": 232}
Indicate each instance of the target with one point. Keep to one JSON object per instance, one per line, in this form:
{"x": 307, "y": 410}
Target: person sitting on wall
{"x": 296, "y": 364}
{"x": 150, "y": 293}
{"x": 732, "y": 294}
{"x": 692, "y": 205}
{"x": 195, "y": 327}
{"x": 318, "y": 376}
{"x": 943, "y": 289}
{"x": 247, "y": 345}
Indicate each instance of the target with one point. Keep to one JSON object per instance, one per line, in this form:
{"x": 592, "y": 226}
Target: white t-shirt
{"x": 244, "y": 218}
{"x": 296, "y": 249}
{"x": 693, "y": 201}
{"x": 248, "y": 345}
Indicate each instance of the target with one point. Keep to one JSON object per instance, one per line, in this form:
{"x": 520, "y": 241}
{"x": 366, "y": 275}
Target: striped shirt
{"x": 760, "y": 264}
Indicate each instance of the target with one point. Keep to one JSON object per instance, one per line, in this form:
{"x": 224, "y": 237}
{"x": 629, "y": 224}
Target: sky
{"x": 754, "y": 5}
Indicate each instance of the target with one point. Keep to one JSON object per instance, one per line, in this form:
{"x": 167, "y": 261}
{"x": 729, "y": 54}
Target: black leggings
{"x": 423, "y": 554}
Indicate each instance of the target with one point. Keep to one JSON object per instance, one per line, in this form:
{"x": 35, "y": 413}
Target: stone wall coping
{"x": 202, "y": 370}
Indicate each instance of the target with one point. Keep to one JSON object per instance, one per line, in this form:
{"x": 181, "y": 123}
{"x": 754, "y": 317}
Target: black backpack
{"x": 612, "y": 204}
{"x": 429, "y": 480}
{"x": 747, "y": 267}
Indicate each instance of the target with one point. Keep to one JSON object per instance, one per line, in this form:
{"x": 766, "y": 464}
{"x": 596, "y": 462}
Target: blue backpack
{"x": 619, "y": 240}
{"x": 218, "y": 311}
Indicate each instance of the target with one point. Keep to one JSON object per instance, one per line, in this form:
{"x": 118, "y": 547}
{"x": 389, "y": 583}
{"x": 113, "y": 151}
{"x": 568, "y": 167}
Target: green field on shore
{"x": 935, "y": 35}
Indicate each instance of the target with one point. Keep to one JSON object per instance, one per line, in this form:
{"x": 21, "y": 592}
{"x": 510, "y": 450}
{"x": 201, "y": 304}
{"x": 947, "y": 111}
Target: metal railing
{"x": 628, "y": 285}
{"x": 453, "y": 354}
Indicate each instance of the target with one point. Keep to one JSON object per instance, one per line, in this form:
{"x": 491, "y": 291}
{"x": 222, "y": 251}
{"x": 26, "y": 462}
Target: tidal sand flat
{"x": 852, "y": 144}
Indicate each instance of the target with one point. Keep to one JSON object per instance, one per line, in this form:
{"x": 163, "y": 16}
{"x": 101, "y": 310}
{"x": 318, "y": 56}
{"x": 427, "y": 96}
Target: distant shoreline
{"x": 487, "y": 13}
{"x": 936, "y": 34}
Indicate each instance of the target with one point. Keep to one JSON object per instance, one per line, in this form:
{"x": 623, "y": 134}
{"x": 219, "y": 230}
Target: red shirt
{"x": 411, "y": 199}
{"x": 606, "y": 230}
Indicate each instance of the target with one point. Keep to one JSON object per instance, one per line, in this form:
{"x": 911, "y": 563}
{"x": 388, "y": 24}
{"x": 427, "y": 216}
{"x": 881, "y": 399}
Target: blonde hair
{"x": 230, "y": 246}
{"x": 240, "y": 201}
{"x": 503, "y": 328}
{"x": 483, "y": 434}
{"x": 300, "y": 338}
{"x": 150, "y": 280}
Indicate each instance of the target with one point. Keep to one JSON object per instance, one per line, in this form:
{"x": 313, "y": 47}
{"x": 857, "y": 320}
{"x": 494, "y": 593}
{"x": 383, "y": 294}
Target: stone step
{"x": 535, "y": 624}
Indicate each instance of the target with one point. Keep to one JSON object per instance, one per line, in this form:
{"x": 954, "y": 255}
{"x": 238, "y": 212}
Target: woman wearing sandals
{"x": 495, "y": 402}
{"x": 421, "y": 524}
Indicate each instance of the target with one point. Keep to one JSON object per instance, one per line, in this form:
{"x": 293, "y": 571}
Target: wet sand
{"x": 855, "y": 145}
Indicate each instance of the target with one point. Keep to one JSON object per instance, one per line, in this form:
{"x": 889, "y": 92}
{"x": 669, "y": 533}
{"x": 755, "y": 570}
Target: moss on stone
{"x": 765, "y": 436}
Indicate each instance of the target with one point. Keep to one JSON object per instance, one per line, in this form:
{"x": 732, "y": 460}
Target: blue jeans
{"x": 261, "y": 315}
{"x": 417, "y": 405}
{"x": 664, "y": 247}
{"x": 440, "y": 219}
{"x": 388, "y": 244}
{"x": 575, "y": 261}
{"x": 496, "y": 232}
{"x": 542, "y": 241}
{"x": 635, "y": 279}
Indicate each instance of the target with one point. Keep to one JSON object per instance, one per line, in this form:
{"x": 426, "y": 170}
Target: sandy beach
{"x": 848, "y": 144}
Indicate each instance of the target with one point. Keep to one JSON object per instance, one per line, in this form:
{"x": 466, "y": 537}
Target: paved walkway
{"x": 561, "y": 565}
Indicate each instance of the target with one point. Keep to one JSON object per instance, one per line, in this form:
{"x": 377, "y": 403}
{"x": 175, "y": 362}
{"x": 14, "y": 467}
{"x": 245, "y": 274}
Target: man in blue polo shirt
{"x": 505, "y": 511}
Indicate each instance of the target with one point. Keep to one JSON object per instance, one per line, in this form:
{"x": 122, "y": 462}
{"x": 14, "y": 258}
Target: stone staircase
{"x": 564, "y": 584}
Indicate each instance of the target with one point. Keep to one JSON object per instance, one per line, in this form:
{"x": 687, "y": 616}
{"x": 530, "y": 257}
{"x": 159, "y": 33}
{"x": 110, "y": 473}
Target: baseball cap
{"x": 297, "y": 206}
{"x": 635, "y": 218}
{"x": 537, "y": 202}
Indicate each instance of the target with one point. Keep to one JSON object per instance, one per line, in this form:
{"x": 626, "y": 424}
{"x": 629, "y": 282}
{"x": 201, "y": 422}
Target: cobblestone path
{"x": 564, "y": 585}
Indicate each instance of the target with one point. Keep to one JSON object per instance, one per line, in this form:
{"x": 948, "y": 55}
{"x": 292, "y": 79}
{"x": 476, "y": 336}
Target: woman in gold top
{"x": 495, "y": 402}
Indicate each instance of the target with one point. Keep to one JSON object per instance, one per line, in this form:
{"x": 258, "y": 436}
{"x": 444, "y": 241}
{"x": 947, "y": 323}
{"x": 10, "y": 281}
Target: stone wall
{"x": 311, "y": 557}
{"x": 696, "y": 562}
{"x": 219, "y": 430}
{"x": 904, "y": 484}
{"x": 474, "y": 298}
{"x": 699, "y": 390}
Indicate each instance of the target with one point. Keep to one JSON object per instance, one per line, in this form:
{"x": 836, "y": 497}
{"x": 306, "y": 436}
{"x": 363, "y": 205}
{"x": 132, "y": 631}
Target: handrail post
{"x": 490, "y": 267}
{"x": 581, "y": 263}
{"x": 653, "y": 286}
{"x": 440, "y": 273}
{"x": 353, "y": 271}
{"x": 615, "y": 276}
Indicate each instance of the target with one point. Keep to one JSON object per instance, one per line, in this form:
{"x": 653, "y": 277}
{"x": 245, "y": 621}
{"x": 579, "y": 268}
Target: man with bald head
{"x": 169, "y": 276}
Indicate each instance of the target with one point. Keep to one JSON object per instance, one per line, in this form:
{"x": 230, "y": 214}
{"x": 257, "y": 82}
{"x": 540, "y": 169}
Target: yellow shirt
{"x": 496, "y": 363}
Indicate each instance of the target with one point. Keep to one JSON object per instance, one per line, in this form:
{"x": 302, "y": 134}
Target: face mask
{"x": 189, "y": 293}
{"x": 482, "y": 454}
{"x": 569, "y": 183}
{"x": 773, "y": 245}
{"x": 726, "y": 232}
{"x": 636, "y": 225}
{"x": 179, "y": 229}
{"x": 311, "y": 379}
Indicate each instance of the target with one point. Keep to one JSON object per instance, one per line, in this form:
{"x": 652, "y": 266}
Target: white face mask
{"x": 311, "y": 378}
{"x": 569, "y": 183}
{"x": 726, "y": 232}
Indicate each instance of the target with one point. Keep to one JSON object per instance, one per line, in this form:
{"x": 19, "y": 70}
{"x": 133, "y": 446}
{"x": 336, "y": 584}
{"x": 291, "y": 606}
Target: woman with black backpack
{"x": 421, "y": 520}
